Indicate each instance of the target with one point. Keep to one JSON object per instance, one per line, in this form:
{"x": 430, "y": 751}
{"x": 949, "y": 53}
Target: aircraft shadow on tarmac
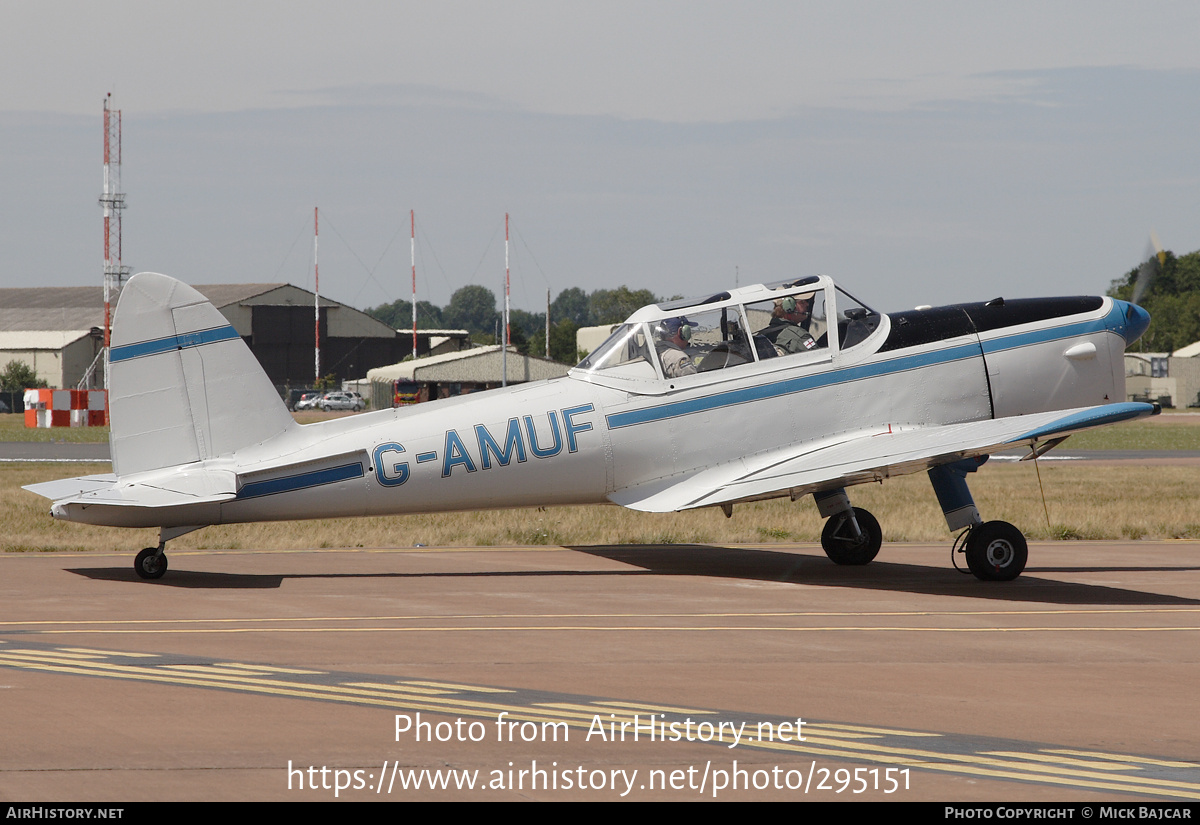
{"x": 737, "y": 563}
{"x": 188, "y": 579}
{"x": 815, "y": 569}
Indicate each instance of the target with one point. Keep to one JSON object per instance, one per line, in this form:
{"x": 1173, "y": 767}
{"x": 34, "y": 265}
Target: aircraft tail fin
{"x": 184, "y": 387}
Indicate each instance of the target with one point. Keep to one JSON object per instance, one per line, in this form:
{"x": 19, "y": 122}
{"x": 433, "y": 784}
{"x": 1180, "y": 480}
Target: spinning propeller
{"x": 1155, "y": 257}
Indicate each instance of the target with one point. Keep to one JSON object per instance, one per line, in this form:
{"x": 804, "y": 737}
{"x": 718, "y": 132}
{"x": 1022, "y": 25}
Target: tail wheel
{"x": 996, "y": 551}
{"x": 843, "y": 547}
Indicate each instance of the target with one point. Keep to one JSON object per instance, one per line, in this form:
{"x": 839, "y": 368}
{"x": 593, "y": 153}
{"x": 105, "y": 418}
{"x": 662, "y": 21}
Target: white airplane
{"x": 773, "y": 390}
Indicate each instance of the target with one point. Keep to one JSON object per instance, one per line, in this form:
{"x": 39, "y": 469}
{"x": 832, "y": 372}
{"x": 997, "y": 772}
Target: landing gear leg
{"x": 851, "y": 535}
{"x": 996, "y": 550}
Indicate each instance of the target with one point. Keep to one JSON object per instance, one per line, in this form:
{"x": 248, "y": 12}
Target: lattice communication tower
{"x": 112, "y": 200}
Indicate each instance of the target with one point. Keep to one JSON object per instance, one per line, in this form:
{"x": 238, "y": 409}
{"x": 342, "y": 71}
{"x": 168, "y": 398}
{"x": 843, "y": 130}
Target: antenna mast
{"x": 316, "y": 302}
{"x": 507, "y": 333}
{"x": 412, "y": 216}
{"x": 113, "y": 203}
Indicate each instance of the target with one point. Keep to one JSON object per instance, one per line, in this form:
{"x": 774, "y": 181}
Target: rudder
{"x": 184, "y": 387}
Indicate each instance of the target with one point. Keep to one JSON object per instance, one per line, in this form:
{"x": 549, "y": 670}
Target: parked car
{"x": 342, "y": 401}
{"x": 309, "y": 401}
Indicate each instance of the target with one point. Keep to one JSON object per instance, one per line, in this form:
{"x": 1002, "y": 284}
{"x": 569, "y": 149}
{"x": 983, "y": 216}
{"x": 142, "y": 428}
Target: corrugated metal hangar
{"x": 58, "y": 331}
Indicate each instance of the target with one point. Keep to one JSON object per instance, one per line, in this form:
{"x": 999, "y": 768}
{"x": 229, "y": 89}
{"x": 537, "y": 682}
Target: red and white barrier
{"x": 65, "y": 408}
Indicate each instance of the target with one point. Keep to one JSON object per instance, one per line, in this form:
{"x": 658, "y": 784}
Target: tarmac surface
{"x": 53, "y": 452}
{"x": 310, "y": 675}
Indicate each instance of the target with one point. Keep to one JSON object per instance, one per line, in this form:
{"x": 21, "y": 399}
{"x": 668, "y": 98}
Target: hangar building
{"x": 457, "y": 373}
{"x": 1170, "y": 378}
{"x": 58, "y": 331}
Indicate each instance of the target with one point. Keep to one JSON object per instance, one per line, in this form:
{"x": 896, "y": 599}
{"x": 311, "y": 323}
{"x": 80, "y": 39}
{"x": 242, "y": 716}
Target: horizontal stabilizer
{"x": 200, "y": 484}
{"x": 166, "y": 489}
{"x": 141, "y": 495}
{"x": 68, "y": 487}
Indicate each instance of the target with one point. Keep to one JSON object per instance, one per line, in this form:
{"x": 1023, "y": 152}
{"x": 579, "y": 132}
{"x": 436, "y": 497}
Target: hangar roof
{"x": 480, "y": 366}
{"x": 1190, "y": 351}
{"x": 11, "y": 340}
{"x": 82, "y": 307}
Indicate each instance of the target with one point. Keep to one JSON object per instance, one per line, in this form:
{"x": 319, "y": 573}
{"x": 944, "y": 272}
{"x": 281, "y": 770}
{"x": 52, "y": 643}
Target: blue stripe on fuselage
{"x": 172, "y": 342}
{"x": 1041, "y": 336}
{"x": 300, "y": 481}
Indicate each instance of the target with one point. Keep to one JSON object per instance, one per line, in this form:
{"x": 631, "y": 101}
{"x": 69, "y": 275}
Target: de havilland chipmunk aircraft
{"x": 783, "y": 389}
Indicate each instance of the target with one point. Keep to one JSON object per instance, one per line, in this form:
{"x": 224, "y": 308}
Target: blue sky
{"x": 920, "y": 153}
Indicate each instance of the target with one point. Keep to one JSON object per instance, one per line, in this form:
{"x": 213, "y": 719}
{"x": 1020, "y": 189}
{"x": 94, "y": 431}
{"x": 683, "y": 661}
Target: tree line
{"x": 474, "y": 308}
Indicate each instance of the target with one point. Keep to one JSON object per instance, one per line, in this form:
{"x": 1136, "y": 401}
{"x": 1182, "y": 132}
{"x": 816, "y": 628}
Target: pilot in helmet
{"x": 790, "y": 320}
{"x": 673, "y": 337}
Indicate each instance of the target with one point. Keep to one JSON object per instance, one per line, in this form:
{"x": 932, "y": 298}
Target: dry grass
{"x": 1086, "y": 501}
{"x": 1165, "y": 432}
{"x": 12, "y": 428}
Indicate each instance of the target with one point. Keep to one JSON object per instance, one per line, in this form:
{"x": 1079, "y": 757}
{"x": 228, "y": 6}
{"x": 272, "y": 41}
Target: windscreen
{"x": 626, "y": 348}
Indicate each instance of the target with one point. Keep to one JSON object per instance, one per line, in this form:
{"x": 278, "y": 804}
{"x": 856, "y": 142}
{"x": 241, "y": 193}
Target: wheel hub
{"x": 999, "y": 554}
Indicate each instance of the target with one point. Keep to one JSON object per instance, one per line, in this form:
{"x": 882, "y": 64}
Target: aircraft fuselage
{"x": 602, "y": 430}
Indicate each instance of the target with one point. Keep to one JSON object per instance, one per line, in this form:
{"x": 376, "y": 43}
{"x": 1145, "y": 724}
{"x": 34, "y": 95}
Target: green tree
{"x": 398, "y": 314}
{"x": 612, "y": 306}
{"x": 473, "y": 308}
{"x": 571, "y": 304}
{"x": 18, "y": 376}
{"x": 518, "y": 340}
{"x": 562, "y": 342}
{"x": 528, "y": 327}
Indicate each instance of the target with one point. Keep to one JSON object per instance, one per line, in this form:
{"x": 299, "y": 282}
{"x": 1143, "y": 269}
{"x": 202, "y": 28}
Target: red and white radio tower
{"x": 113, "y": 202}
{"x": 316, "y": 301}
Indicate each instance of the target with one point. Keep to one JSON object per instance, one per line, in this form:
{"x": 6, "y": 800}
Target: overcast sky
{"x": 919, "y": 153}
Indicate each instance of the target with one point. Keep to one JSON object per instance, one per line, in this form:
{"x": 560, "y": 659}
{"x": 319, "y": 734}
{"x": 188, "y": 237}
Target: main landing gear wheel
{"x": 150, "y": 564}
{"x": 843, "y": 547}
{"x": 996, "y": 551}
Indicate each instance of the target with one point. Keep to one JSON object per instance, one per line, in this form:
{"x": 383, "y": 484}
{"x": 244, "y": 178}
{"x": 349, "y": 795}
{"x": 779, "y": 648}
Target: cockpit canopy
{"x": 804, "y": 320}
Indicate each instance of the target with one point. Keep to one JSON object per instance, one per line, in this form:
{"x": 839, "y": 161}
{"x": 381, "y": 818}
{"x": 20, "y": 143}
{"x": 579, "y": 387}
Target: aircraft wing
{"x": 870, "y": 455}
